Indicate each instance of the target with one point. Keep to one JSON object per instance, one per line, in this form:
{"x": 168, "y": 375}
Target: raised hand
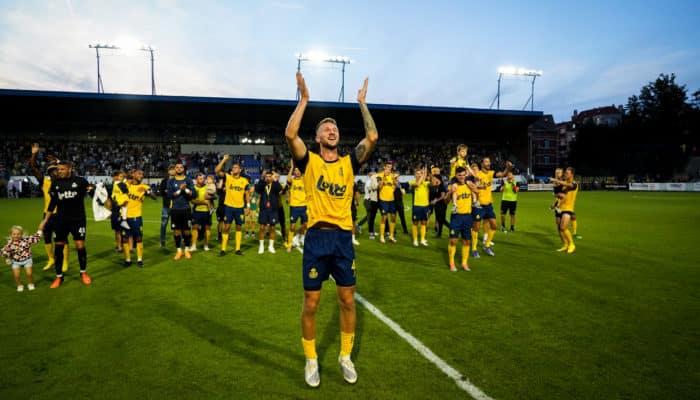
{"x": 35, "y": 148}
{"x": 362, "y": 93}
{"x": 301, "y": 85}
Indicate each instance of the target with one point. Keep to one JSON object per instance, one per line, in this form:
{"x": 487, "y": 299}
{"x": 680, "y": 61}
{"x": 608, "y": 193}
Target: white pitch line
{"x": 461, "y": 380}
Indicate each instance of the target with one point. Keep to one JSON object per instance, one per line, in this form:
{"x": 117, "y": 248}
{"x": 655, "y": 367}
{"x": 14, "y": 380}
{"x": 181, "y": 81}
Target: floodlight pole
{"x": 100, "y": 88}
{"x": 97, "y": 47}
{"x": 341, "y": 98}
{"x": 497, "y": 99}
{"x": 335, "y": 60}
{"x": 531, "y": 100}
{"x": 300, "y": 58}
{"x": 150, "y": 49}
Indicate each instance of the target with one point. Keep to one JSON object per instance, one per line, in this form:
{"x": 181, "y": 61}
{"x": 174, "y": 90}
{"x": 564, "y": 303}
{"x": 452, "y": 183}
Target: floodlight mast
{"x": 151, "y": 50}
{"x": 517, "y": 72}
{"x": 97, "y": 47}
{"x": 313, "y": 56}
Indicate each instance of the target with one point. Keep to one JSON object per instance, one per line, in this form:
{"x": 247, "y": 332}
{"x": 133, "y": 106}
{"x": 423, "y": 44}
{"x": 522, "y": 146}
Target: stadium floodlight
{"x": 513, "y": 71}
{"x": 97, "y": 46}
{"x": 315, "y": 56}
{"x": 128, "y": 45}
{"x": 151, "y": 49}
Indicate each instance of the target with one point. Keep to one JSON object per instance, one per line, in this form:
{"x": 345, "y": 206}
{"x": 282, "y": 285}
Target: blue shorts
{"x": 268, "y": 216}
{"x": 487, "y": 212}
{"x": 328, "y": 253}
{"x": 477, "y": 214}
{"x": 28, "y": 263}
{"x": 296, "y": 213}
{"x": 232, "y": 214}
{"x": 135, "y": 228}
{"x": 387, "y": 207}
{"x": 115, "y": 220}
{"x": 201, "y": 218}
{"x": 460, "y": 225}
{"x": 420, "y": 213}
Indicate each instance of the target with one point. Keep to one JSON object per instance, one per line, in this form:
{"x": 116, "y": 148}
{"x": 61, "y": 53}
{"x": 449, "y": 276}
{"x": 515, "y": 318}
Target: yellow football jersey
{"x": 461, "y": 162}
{"x": 329, "y": 190}
{"x": 486, "y": 180}
{"x": 421, "y": 194}
{"x": 118, "y": 196}
{"x": 200, "y": 194}
{"x": 570, "y": 199}
{"x": 387, "y": 191}
{"x": 136, "y": 195}
{"x": 464, "y": 199}
{"x": 297, "y": 193}
{"x": 235, "y": 191}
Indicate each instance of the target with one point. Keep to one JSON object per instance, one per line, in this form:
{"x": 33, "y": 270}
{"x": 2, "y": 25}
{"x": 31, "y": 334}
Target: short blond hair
{"x": 323, "y": 121}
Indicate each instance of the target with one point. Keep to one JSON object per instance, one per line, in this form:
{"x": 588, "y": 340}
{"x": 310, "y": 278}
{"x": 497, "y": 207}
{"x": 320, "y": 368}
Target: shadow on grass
{"x": 330, "y": 339}
{"x": 235, "y": 342}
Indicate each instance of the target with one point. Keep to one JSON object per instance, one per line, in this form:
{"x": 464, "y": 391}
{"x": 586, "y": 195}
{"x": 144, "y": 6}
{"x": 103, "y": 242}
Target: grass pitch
{"x": 617, "y": 319}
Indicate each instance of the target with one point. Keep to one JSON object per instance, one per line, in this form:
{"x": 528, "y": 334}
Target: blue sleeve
{"x": 171, "y": 188}
{"x": 303, "y": 162}
{"x": 355, "y": 163}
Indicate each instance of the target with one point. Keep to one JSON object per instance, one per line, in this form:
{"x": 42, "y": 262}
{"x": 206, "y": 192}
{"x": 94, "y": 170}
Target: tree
{"x": 695, "y": 102}
{"x": 660, "y": 104}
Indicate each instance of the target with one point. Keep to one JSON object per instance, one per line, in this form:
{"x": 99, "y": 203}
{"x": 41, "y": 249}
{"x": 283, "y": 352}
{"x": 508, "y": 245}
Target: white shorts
{"x": 21, "y": 264}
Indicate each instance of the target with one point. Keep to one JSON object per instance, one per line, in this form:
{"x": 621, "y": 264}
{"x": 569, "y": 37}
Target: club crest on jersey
{"x": 74, "y": 185}
{"x": 332, "y": 189}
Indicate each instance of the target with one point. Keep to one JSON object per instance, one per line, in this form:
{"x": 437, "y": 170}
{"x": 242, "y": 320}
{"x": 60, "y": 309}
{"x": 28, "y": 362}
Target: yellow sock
{"x": 309, "y": 348}
{"x": 382, "y": 229}
{"x": 207, "y": 235}
{"x": 451, "y": 250}
{"x": 422, "y": 232}
{"x": 475, "y": 239}
{"x": 569, "y": 239}
{"x": 392, "y": 228}
{"x": 224, "y": 241}
{"x": 346, "y": 342}
{"x": 465, "y": 254}
{"x": 49, "y": 252}
{"x": 139, "y": 250}
{"x": 415, "y": 233}
{"x": 574, "y": 227}
{"x": 291, "y": 237}
{"x": 238, "y": 235}
{"x": 126, "y": 248}
{"x": 195, "y": 234}
{"x": 489, "y": 238}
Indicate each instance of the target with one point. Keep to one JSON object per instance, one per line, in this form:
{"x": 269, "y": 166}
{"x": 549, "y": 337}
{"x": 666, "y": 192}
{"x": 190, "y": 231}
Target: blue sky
{"x": 442, "y": 53}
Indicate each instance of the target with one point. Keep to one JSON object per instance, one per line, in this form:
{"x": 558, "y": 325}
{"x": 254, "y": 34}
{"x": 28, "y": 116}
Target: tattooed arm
{"x": 295, "y": 143}
{"x": 364, "y": 149}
